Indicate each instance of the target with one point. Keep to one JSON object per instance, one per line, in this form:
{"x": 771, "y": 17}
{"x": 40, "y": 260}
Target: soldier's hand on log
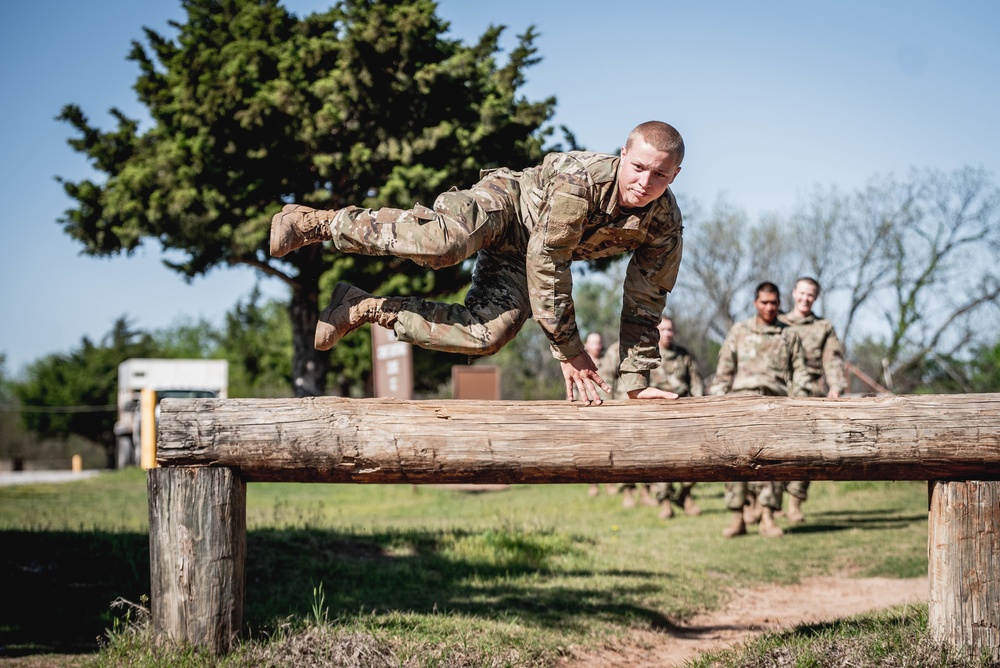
{"x": 581, "y": 374}
{"x": 651, "y": 393}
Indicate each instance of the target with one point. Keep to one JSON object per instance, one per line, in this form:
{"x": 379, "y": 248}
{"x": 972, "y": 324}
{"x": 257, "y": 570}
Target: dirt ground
{"x": 753, "y": 611}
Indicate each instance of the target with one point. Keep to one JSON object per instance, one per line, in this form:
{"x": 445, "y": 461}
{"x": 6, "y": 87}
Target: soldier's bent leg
{"x": 496, "y": 307}
{"x": 461, "y": 223}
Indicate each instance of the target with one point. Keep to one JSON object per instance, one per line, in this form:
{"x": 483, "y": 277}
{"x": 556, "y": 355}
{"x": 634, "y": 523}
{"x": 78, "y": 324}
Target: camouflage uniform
{"x": 766, "y": 360}
{"x": 527, "y": 227}
{"x": 678, "y": 373}
{"x": 824, "y": 358}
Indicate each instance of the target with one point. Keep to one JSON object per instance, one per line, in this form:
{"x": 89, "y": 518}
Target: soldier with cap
{"x": 526, "y": 228}
{"x": 824, "y": 360}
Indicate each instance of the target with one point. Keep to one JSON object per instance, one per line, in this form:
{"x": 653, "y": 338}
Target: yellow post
{"x": 147, "y": 428}
{"x": 77, "y": 463}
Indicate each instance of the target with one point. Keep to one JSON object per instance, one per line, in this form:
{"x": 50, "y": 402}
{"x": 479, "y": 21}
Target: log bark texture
{"x": 331, "y": 439}
{"x": 964, "y": 565}
{"x": 197, "y": 548}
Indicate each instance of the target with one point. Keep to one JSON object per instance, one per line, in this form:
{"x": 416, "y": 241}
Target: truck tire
{"x": 125, "y": 452}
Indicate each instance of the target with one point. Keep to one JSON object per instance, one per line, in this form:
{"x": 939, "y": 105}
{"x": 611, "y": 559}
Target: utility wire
{"x": 59, "y": 409}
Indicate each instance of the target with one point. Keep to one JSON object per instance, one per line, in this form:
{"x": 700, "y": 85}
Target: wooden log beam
{"x": 330, "y": 439}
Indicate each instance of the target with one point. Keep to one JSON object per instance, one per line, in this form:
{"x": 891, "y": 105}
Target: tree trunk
{"x": 197, "y": 555}
{"x": 309, "y": 366}
{"x": 964, "y": 565}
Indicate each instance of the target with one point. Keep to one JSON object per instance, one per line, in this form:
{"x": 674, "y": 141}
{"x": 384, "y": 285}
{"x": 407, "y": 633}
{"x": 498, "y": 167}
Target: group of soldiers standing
{"x": 769, "y": 354}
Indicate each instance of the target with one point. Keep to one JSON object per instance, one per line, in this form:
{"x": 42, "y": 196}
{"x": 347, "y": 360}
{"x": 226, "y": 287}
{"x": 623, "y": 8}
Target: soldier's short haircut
{"x": 808, "y": 279}
{"x": 661, "y": 136}
{"x": 768, "y": 287}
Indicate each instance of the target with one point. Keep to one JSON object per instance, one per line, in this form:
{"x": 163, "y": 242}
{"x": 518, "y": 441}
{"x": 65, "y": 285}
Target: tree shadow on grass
{"x": 58, "y": 586}
{"x": 863, "y": 521}
{"x": 418, "y": 572}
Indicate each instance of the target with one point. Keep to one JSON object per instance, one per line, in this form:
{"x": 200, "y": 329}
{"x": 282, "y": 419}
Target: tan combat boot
{"x": 628, "y": 500}
{"x": 690, "y": 507}
{"x": 737, "y": 527}
{"x": 645, "y": 498}
{"x": 767, "y": 526}
{"x": 752, "y": 511}
{"x": 794, "y": 513}
{"x": 296, "y": 226}
{"x": 666, "y": 510}
{"x": 349, "y": 308}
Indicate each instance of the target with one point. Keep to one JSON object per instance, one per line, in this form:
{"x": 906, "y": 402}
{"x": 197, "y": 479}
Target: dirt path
{"x": 753, "y": 611}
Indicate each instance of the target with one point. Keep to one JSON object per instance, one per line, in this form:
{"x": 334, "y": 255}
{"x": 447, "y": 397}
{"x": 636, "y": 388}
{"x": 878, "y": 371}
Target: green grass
{"x": 429, "y": 576}
{"x": 896, "y": 637}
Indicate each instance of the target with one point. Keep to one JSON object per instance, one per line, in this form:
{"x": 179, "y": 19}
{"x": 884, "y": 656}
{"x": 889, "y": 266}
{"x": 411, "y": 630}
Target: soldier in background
{"x": 594, "y": 345}
{"x": 764, "y": 356}
{"x": 824, "y": 358}
{"x": 678, "y": 373}
{"x": 526, "y": 228}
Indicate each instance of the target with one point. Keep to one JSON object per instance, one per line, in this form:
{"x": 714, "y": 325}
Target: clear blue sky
{"x": 771, "y": 97}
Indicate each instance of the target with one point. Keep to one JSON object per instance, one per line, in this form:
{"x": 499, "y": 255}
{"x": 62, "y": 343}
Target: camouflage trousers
{"x": 482, "y": 221}
{"x": 768, "y": 493}
{"x": 662, "y": 491}
{"x": 673, "y": 492}
{"x": 799, "y": 489}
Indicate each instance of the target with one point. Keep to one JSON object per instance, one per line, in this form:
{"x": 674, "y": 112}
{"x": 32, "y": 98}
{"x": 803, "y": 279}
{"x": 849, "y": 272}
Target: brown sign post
{"x": 392, "y": 360}
{"x": 475, "y": 382}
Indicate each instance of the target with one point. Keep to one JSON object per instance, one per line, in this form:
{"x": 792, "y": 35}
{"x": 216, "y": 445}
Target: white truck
{"x": 181, "y": 378}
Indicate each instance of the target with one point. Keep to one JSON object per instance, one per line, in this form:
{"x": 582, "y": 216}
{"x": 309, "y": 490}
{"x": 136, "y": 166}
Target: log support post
{"x": 964, "y": 565}
{"x": 197, "y": 554}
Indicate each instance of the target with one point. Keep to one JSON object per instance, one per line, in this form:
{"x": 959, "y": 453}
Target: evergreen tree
{"x": 367, "y": 103}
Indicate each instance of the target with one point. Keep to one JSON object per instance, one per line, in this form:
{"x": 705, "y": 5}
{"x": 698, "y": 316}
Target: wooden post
{"x": 197, "y": 555}
{"x": 964, "y": 565}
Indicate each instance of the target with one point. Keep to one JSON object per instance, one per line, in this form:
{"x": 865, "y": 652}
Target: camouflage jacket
{"x": 762, "y": 359}
{"x": 824, "y": 354}
{"x": 678, "y": 372}
{"x": 569, "y": 207}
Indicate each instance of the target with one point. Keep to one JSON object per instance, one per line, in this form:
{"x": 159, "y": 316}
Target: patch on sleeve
{"x": 567, "y": 215}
